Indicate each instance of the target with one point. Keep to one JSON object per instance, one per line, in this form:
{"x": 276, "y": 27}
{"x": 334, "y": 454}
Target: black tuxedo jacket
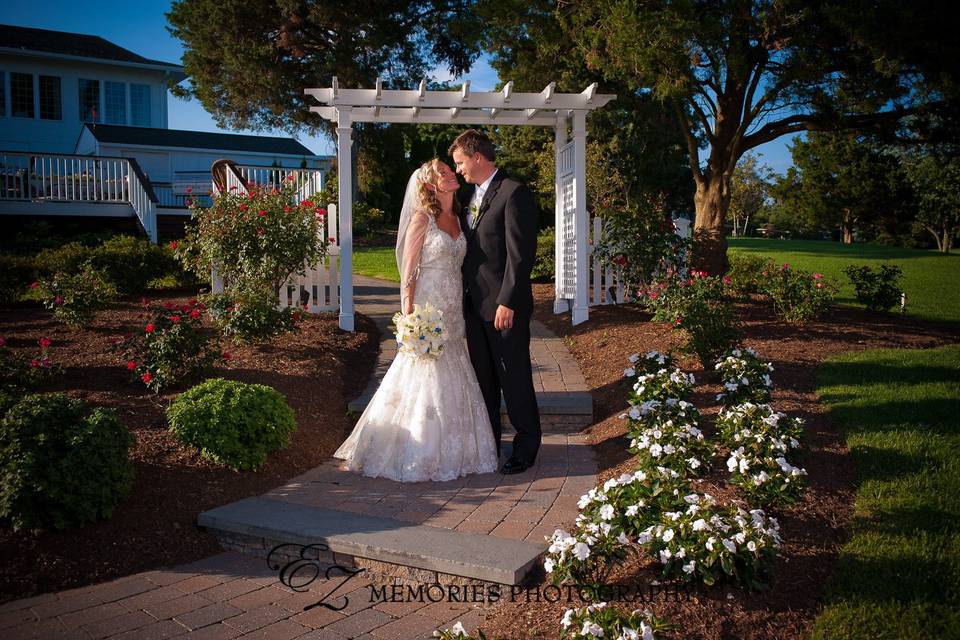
{"x": 501, "y": 249}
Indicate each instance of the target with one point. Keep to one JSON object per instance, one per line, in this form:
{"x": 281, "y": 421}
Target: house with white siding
{"x": 84, "y": 132}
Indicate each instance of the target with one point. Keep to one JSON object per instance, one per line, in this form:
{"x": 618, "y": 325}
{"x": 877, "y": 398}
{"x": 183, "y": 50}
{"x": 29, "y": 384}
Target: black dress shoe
{"x": 514, "y": 465}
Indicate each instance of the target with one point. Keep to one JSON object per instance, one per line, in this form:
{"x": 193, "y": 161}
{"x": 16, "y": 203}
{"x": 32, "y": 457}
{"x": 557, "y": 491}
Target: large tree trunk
{"x": 847, "y": 225}
{"x": 712, "y": 200}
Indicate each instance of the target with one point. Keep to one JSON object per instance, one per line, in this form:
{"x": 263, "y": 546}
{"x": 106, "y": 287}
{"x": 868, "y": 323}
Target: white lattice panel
{"x": 567, "y": 270}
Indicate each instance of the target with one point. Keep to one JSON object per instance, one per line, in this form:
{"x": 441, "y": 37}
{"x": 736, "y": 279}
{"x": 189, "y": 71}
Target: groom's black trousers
{"x": 501, "y": 360}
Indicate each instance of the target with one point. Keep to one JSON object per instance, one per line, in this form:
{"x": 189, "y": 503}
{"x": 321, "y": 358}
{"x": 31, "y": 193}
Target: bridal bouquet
{"x": 420, "y": 332}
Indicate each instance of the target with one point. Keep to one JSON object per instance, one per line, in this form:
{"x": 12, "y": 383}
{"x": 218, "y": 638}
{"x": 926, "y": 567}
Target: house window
{"x": 50, "y": 108}
{"x": 90, "y": 100}
{"x": 3, "y": 93}
{"x": 115, "y": 102}
{"x": 21, "y": 95}
{"x": 140, "y": 105}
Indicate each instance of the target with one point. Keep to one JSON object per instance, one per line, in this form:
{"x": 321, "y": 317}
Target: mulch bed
{"x": 813, "y": 529}
{"x": 319, "y": 369}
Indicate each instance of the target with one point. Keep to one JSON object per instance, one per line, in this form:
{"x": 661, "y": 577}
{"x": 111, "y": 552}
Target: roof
{"x": 116, "y": 134}
{"x": 62, "y": 43}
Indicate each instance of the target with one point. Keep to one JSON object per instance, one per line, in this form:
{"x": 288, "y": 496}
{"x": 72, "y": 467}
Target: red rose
{"x": 34, "y": 363}
{"x": 44, "y": 343}
{"x": 306, "y": 203}
{"x": 262, "y": 213}
{"x": 243, "y": 207}
{"x": 331, "y": 240}
{"x": 33, "y": 285}
{"x": 227, "y": 356}
{"x": 175, "y": 319}
{"x": 189, "y": 189}
{"x": 194, "y": 314}
{"x": 259, "y": 232}
{"x": 146, "y": 378}
{"x": 286, "y": 209}
{"x": 149, "y": 328}
{"x": 321, "y": 211}
{"x": 654, "y": 295}
{"x": 58, "y": 300}
{"x": 131, "y": 365}
{"x": 173, "y": 244}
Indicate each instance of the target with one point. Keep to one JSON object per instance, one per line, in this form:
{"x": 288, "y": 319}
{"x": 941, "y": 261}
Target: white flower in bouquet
{"x": 420, "y": 332}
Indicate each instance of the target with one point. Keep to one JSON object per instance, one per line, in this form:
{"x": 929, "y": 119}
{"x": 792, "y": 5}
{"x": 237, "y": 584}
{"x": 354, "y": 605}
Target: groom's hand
{"x": 503, "y": 319}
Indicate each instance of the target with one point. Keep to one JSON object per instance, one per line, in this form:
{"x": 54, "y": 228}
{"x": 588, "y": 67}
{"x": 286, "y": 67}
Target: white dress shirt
{"x": 478, "y": 198}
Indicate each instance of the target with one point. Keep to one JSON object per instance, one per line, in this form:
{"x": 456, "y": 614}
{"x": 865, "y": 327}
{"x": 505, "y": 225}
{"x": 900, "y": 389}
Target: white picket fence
{"x": 607, "y": 285}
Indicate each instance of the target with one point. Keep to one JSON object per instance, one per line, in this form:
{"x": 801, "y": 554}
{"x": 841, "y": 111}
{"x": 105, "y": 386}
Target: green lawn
{"x": 376, "y": 262}
{"x": 931, "y": 279}
{"x": 899, "y": 575}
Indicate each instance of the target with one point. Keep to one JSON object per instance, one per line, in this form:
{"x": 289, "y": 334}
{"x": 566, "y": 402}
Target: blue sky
{"x": 140, "y": 27}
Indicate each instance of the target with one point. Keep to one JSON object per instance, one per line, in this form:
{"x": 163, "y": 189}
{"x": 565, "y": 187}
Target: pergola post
{"x": 560, "y": 304}
{"x": 345, "y": 211}
{"x": 581, "y": 300}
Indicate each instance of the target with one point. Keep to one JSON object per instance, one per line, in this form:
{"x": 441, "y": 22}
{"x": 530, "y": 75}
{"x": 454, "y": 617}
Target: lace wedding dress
{"x": 427, "y": 420}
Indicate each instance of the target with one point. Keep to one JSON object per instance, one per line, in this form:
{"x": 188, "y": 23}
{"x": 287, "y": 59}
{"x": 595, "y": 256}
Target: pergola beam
{"x": 589, "y": 99}
{"x": 453, "y": 115}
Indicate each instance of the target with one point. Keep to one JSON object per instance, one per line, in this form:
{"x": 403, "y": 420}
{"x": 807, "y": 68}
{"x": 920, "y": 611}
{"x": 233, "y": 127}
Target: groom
{"x": 500, "y": 220}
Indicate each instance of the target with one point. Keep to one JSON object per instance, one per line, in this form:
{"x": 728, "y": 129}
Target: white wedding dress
{"x": 427, "y": 420}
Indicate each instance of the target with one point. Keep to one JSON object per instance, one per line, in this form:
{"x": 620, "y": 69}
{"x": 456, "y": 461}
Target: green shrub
{"x": 16, "y": 274}
{"x": 797, "y": 296}
{"x": 544, "y": 265}
{"x": 76, "y": 296}
{"x": 232, "y": 423}
{"x": 171, "y": 347}
{"x": 246, "y": 318}
{"x": 70, "y": 258}
{"x": 876, "y": 290}
{"x": 59, "y": 467}
{"x": 699, "y": 307}
{"x": 367, "y": 219}
{"x": 745, "y": 272}
{"x": 130, "y": 263}
{"x": 19, "y": 372}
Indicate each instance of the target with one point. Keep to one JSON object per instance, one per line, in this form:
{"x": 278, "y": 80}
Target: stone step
{"x": 382, "y": 545}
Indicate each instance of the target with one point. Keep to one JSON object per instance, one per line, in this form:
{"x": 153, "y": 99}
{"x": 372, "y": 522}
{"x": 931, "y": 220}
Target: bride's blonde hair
{"x": 428, "y": 174}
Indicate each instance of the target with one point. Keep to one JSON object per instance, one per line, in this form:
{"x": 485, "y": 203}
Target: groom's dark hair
{"x": 472, "y": 141}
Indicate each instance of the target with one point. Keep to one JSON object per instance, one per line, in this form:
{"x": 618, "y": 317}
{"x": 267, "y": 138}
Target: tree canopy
{"x": 741, "y": 73}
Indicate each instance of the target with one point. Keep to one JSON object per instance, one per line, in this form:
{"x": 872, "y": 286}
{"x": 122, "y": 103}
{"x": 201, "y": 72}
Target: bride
{"x": 427, "y": 420}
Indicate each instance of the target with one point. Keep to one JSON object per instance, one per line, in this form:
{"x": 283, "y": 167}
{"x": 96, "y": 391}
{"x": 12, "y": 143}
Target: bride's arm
{"x": 412, "y": 247}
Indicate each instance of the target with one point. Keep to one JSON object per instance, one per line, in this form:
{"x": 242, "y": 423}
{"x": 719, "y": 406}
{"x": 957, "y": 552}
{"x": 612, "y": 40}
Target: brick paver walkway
{"x": 232, "y": 595}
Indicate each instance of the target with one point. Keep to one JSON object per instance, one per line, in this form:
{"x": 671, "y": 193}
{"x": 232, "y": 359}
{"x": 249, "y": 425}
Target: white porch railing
{"x": 41, "y": 177}
{"x": 307, "y": 181}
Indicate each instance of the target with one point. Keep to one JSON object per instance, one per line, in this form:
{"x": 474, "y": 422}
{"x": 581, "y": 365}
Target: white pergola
{"x": 565, "y": 112}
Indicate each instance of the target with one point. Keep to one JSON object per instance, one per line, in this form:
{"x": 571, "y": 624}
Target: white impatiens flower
{"x": 700, "y": 525}
{"x": 752, "y": 545}
{"x": 634, "y": 413}
{"x": 740, "y": 538}
{"x": 623, "y": 539}
{"x": 549, "y": 565}
{"x": 647, "y": 631}
{"x": 581, "y": 551}
{"x": 632, "y": 510}
{"x": 730, "y": 546}
{"x": 656, "y": 450}
{"x": 694, "y": 463}
{"x": 710, "y": 542}
{"x": 567, "y": 619}
{"x": 606, "y": 512}
{"x": 665, "y": 556}
{"x": 688, "y": 568}
{"x": 459, "y": 629}
{"x": 667, "y": 535}
{"x": 591, "y": 629}
{"x": 629, "y": 372}
{"x": 633, "y": 358}
{"x": 625, "y": 479}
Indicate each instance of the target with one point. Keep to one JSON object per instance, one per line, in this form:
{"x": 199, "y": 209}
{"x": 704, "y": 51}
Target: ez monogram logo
{"x": 300, "y": 572}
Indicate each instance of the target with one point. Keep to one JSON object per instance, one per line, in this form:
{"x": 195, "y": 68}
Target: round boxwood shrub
{"x": 232, "y": 423}
{"x": 61, "y": 466}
